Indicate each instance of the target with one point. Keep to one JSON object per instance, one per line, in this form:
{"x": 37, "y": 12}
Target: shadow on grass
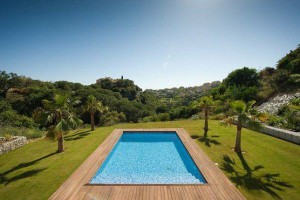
{"x": 207, "y": 141}
{"x": 77, "y": 136}
{"x": 5, "y": 180}
{"x": 251, "y": 180}
{"x": 195, "y": 136}
{"x": 27, "y": 174}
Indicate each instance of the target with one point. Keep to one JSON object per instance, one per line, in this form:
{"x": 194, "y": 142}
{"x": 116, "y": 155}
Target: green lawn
{"x": 269, "y": 169}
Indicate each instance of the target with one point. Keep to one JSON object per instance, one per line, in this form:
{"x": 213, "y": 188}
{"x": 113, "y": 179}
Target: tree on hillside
{"x": 125, "y": 87}
{"x": 245, "y": 76}
{"x": 206, "y": 103}
{"x": 59, "y": 117}
{"x": 92, "y": 106}
{"x": 240, "y": 84}
{"x": 291, "y": 62}
{"x": 243, "y": 114}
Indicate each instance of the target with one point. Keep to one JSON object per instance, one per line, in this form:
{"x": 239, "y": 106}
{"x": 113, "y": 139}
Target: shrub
{"x": 111, "y": 118}
{"x": 274, "y": 120}
{"x": 247, "y": 77}
{"x": 155, "y": 118}
{"x": 291, "y": 114}
{"x": 293, "y": 119}
{"x": 21, "y": 131}
{"x": 242, "y": 93}
{"x": 7, "y": 136}
{"x": 195, "y": 117}
{"x": 182, "y": 112}
{"x": 12, "y": 118}
{"x": 163, "y": 117}
{"x": 219, "y": 116}
{"x": 280, "y": 78}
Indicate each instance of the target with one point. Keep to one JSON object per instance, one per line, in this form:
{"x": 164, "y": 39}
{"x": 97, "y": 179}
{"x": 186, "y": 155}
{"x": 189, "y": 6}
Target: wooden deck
{"x": 217, "y": 187}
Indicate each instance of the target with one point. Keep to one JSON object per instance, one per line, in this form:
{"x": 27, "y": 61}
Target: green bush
{"x": 182, "y": 112}
{"x": 148, "y": 119}
{"x": 12, "y": 118}
{"x": 155, "y": 118}
{"x": 291, "y": 62}
{"x": 291, "y": 114}
{"x": 111, "y": 118}
{"x": 293, "y": 119}
{"x": 274, "y": 120}
{"x": 29, "y": 133}
{"x": 280, "y": 79}
{"x": 241, "y": 93}
{"x": 219, "y": 116}
{"x": 7, "y": 136}
{"x": 195, "y": 117}
{"x": 163, "y": 117}
{"x": 247, "y": 77}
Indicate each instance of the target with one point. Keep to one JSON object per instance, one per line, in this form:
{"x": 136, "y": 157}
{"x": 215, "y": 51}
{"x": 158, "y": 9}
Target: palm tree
{"x": 93, "y": 105}
{"x": 243, "y": 114}
{"x": 206, "y": 103}
{"x": 60, "y": 118}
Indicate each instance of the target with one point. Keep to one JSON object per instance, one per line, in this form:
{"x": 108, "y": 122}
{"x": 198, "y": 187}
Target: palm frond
{"x": 62, "y": 126}
{"x": 61, "y": 101}
{"x": 254, "y": 125}
{"x": 227, "y": 121}
{"x": 206, "y": 102}
{"x": 238, "y": 106}
{"x": 51, "y": 117}
{"x": 73, "y": 121}
{"x": 48, "y": 105}
{"x": 76, "y": 102}
{"x": 51, "y": 133}
{"x": 249, "y": 105}
{"x": 263, "y": 117}
{"x": 244, "y": 118}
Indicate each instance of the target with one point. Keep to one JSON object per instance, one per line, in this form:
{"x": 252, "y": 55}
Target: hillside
{"x": 21, "y": 97}
{"x": 184, "y": 95}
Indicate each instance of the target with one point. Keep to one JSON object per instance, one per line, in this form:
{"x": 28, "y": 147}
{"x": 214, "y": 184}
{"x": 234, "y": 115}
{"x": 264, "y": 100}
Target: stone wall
{"x": 16, "y": 142}
{"x": 281, "y": 133}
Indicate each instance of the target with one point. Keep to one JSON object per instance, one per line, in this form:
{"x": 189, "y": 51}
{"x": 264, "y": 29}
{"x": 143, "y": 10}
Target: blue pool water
{"x": 148, "y": 158}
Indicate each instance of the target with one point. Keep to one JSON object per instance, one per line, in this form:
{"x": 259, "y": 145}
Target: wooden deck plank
{"x": 77, "y": 185}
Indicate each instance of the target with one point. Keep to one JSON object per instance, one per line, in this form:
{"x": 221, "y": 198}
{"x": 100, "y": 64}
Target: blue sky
{"x": 156, "y": 43}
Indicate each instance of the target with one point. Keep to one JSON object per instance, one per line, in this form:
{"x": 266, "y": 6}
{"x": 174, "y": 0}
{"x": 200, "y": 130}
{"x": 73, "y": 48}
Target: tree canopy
{"x": 247, "y": 77}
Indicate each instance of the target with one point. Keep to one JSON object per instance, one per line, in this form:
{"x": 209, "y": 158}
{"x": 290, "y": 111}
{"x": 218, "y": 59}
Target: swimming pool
{"x": 148, "y": 158}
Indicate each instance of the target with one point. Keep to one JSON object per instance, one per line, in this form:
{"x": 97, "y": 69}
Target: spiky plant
{"x": 243, "y": 114}
{"x": 92, "y": 106}
{"x": 59, "y": 118}
{"x": 207, "y": 104}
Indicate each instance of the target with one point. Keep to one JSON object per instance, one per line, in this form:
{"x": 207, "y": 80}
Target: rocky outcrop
{"x": 273, "y": 105}
{"x": 16, "y": 142}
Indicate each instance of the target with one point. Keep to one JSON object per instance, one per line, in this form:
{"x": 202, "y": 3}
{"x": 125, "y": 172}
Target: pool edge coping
{"x": 145, "y": 184}
{"x": 217, "y": 186}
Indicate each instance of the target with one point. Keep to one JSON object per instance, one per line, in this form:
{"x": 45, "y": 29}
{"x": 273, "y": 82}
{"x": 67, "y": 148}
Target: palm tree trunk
{"x": 237, "y": 147}
{"x": 92, "y": 121}
{"x": 206, "y": 122}
{"x": 60, "y": 142}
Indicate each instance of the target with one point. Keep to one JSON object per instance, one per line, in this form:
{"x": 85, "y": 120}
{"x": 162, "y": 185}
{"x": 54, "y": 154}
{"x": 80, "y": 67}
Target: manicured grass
{"x": 269, "y": 169}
